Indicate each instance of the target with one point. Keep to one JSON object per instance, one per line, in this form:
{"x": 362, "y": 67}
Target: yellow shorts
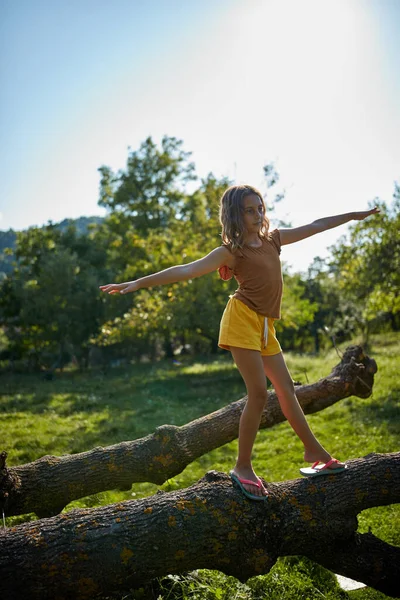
{"x": 242, "y": 327}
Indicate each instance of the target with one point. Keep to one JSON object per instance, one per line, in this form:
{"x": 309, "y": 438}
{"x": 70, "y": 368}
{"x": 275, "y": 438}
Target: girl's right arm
{"x": 214, "y": 260}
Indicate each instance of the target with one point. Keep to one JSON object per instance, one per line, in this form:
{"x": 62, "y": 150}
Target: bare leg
{"x": 277, "y": 372}
{"x": 251, "y": 369}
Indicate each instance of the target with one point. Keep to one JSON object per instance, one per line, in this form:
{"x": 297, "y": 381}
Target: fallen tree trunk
{"x": 96, "y": 552}
{"x": 47, "y": 485}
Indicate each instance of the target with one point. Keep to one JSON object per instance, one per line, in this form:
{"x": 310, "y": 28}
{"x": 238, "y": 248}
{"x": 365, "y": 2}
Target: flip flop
{"x": 239, "y": 482}
{"x": 315, "y": 471}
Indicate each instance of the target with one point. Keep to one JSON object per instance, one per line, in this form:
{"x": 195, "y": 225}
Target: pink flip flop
{"x": 314, "y": 471}
{"x": 240, "y": 481}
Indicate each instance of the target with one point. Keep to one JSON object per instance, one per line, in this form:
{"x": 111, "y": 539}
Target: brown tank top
{"x": 259, "y": 275}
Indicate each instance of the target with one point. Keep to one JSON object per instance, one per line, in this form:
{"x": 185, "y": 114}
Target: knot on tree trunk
{"x": 214, "y": 477}
{"x": 9, "y": 482}
{"x": 169, "y": 453}
{"x": 358, "y": 370}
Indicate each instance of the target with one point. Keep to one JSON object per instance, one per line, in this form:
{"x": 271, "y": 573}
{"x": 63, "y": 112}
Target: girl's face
{"x": 253, "y": 213}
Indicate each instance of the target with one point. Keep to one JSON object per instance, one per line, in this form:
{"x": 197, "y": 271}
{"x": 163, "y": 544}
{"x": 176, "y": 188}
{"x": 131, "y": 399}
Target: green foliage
{"x": 8, "y": 240}
{"x": 149, "y": 190}
{"x": 327, "y": 321}
{"x": 293, "y": 577}
{"x": 82, "y": 225}
{"x": 185, "y": 313}
{"x": 272, "y": 179}
{"x": 367, "y": 267}
{"x": 297, "y": 309}
{"x": 7, "y": 245}
{"x": 51, "y": 308}
{"x": 188, "y": 312}
{"x": 50, "y": 305}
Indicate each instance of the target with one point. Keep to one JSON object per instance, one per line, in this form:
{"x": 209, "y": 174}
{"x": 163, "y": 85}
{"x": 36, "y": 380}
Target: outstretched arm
{"x": 215, "y": 259}
{"x": 289, "y": 236}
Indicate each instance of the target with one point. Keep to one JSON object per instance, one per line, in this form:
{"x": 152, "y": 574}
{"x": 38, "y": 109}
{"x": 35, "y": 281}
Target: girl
{"x": 250, "y": 252}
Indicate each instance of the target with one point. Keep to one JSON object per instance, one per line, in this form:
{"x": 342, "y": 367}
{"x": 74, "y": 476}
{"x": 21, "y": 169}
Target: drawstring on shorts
{"x": 265, "y": 332}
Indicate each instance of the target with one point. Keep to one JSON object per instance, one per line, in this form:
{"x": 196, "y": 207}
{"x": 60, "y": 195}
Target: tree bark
{"x": 48, "y": 484}
{"x": 88, "y": 554}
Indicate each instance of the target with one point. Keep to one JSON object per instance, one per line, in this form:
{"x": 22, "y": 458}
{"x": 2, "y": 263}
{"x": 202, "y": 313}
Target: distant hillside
{"x": 81, "y": 224}
{"x": 8, "y": 239}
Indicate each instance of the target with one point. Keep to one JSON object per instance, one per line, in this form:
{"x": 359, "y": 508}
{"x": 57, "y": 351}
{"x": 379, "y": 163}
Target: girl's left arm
{"x": 289, "y": 236}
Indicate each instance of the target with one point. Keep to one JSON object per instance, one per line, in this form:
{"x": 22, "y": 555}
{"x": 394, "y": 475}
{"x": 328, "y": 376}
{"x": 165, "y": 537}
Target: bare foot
{"x": 323, "y": 456}
{"x": 248, "y": 473}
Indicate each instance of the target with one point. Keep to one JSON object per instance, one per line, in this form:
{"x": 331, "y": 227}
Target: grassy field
{"x": 76, "y": 412}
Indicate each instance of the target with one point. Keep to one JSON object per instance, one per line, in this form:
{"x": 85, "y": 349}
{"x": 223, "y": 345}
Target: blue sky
{"x": 311, "y": 85}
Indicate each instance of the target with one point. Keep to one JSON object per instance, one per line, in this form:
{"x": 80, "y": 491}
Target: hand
{"x": 360, "y": 216}
{"x": 120, "y": 288}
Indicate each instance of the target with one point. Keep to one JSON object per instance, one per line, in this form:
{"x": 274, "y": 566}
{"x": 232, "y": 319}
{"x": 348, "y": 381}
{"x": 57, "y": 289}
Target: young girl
{"x": 250, "y": 252}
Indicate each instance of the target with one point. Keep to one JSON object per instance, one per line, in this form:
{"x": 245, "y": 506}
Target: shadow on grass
{"x": 126, "y": 404}
{"x": 381, "y": 410}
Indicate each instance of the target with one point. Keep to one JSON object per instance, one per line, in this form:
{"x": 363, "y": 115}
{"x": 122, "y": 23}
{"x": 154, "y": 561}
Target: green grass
{"x": 76, "y": 412}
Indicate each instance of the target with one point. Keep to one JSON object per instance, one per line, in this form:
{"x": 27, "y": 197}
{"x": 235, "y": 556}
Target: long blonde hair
{"x": 230, "y": 215}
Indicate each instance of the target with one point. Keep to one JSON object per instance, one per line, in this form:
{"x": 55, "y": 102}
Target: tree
{"x": 7, "y": 244}
{"x": 321, "y": 291}
{"x": 298, "y": 312}
{"x": 272, "y": 177}
{"x": 367, "y": 269}
{"x": 150, "y": 190}
{"x": 187, "y": 312}
{"x": 51, "y": 305}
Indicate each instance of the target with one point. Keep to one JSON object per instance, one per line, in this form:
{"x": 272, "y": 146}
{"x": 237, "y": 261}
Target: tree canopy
{"x": 160, "y": 214}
